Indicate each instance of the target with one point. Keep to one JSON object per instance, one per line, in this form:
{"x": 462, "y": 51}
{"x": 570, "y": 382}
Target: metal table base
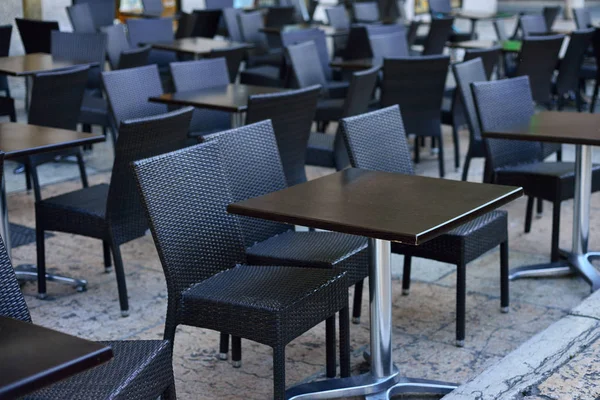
{"x": 578, "y": 259}
{"x": 384, "y": 380}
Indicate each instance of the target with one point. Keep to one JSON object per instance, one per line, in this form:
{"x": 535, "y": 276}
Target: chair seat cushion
{"x": 140, "y": 369}
{"x": 464, "y": 243}
{"x": 278, "y": 303}
{"x": 94, "y": 111}
{"x": 329, "y": 109}
{"x": 314, "y": 249}
{"x": 320, "y": 150}
{"x": 265, "y": 75}
{"x": 81, "y": 211}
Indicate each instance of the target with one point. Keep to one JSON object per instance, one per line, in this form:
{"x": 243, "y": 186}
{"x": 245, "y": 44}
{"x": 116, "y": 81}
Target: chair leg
{"x": 417, "y": 150}
{"x": 41, "y": 260}
{"x": 121, "y": 283}
{"x": 330, "y": 346}
{"x": 236, "y": 351}
{"x": 223, "y": 346}
{"x": 441, "y": 156}
{"x": 456, "y": 147}
{"x": 37, "y": 191}
{"x": 540, "y": 207}
{"x": 357, "y": 305}
{"x": 465, "y": 172}
{"x": 406, "y": 275}
{"x": 279, "y": 372}
{"x": 27, "y": 177}
{"x": 344, "y": 342}
{"x": 82, "y": 173}
{"x": 594, "y": 97}
{"x": 504, "y": 282}
{"x": 555, "y": 252}
{"x": 461, "y": 293}
{"x": 107, "y": 258}
{"x": 559, "y": 155}
{"x": 528, "y": 214}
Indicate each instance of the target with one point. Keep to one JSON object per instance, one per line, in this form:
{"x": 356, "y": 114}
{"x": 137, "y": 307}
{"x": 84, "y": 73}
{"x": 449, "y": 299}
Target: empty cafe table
{"x": 32, "y": 357}
{"x": 196, "y": 46}
{"x": 580, "y": 129}
{"x": 232, "y": 98}
{"x": 384, "y": 207}
{"x": 18, "y": 140}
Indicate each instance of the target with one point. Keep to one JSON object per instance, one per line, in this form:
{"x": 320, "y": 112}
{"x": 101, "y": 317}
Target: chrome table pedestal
{"x": 578, "y": 260}
{"x": 384, "y": 379}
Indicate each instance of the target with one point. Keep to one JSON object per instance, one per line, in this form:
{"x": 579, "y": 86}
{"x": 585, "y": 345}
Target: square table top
{"x": 556, "y": 127}
{"x": 196, "y": 45}
{"x": 508, "y": 46}
{"x": 231, "y": 98}
{"x": 402, "y": 208}
{"x": 32, "y": 357}
{"x": 18, "y": 140}
{"x": 29, "y": 64}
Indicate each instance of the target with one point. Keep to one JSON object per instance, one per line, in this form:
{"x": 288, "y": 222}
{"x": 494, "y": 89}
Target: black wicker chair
{"x": 329, "y": 150}
{"x": 339, "y": 20}
{"x": 291, "y": 114}
{"x": 269, "y": 243}
{"x": 81, "y": 18}
{"x": 377, "y": 141}
{"x": 583, "y": 18}
{"x": 280, "y": 16}
{"x": 453, "y": 113}
{"x": 112, "y": 213}
{"x": 443, "y": 8}
{"x": 367, "y": 12}
{"x": 218, "y": 4}
{"x": 520, "y": 163}
{"x": 35, "y": 34}
{"x": 207, "y": 285}
{"x": 532, "y": 25}
{"x": 7, "y": 103}
{"x": 230, "y": 18}
{"x": 128, "y": 91}
{"x": 207, "y": 23}
{"x": 466, "y": 73}
{"x": 103, "y": 11}
{"x": 120, "y": 54}
{"x": 56, "y": 99}
{"x": 388, "y": 46}
{"x": 439, "y": 32}
{"x": 185, "y": 25}
{"x": 550, "y": 15}
{"x": 152, "y": 7}
{"x": 202, "y": 74}
{"x": 417, "y": 85}
{"x": 234, "y": 56}
{"x": 149, "y": 30}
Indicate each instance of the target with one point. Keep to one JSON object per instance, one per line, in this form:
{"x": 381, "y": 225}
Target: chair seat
{"x": 320, "y": 150}
{"x": 279, "y": 303}
{"x": 338, "y": 89}
{"x": 94, "y": 111}
{"x": 314, "y": 249}
{"x": 464, "y": 243}
{"x": 81, "y": 212}
{"x": 140, "y": 369}
{"x": 329, "y": 110}
{"x": 265, "y": 75}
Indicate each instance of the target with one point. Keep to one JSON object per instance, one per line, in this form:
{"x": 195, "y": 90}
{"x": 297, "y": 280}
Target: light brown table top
{"x": 231, "y": 98}
{"x": 402, "y": 208}
{"x": 18, "y": 140}
{"x": 196, "y": 45}
{"x": 556, "y": 127}
{"x": 29, "y": 64}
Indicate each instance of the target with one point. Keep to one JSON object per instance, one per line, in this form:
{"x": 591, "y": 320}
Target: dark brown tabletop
{"x": 557, "y": 127}
{"x": 402, "y": 208}
{"x": 231, "y": 98}
{"x": 328, "y": 30}
{"x": 30, "y": 64}
{"x": 508, "y": 46}
{"x": 356, "y": 64}
{"x": 196, "y": 45}
{"x": 32, "y": 357}
{"x": 18, "y": 140}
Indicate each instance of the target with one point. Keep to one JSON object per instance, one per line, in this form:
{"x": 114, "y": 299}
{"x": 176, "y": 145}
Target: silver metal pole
{"x": 380, "y": 285}
{"x": 581, "y": 203}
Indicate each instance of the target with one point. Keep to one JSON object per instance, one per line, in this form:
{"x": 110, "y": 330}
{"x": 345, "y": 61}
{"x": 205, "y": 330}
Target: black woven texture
{"x": 116, "y": 43}
{"x": 103, "y": 11}
{"x": 291, "y": 114}
{"x": 389, "y": 45}
{"x": 80, "y": 16}
{"x": 230, "y": 17}
{"x": 202, "y": 74}
{"x": 199, "y": 245}
{"x": 439, "y": 32}
{"x": 583, "y": 18}
{"x": 152, "y": 30}
{"x": 305, "y": 63}
{"x": 133, "y": 58}
{"x": 21, "y": 235}
{"x": 367, "y": 11}
{"x": 489, "y": 57}
{"x": 35, "y": 34}
{"x": 570, "y": 65}
{"x": 310, "y": 35}
{"x": 128, "y": 92}
{"x": 250, "y": 24}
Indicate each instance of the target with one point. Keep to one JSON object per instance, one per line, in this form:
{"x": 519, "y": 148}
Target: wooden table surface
{"x": 18, "y": 140}
{"x": 231, "y": 98}
{"x": 556, "y": 127}
{"x": 30, "y": 64}
{"x": 196, "y": 45}
{"x": 409, "y": 209}
{"x": 356, "y": 64}
{"x": 32, "y": 357}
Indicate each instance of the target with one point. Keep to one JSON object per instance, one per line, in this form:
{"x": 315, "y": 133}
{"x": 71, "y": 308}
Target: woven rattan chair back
{"x": 128, "y": 91}
{"x": 149, "y": 30}
{"x": 233, "y": 56}
{"x": 495, "y": 113}
{"x": 5, "y": 35}
{"x": 306, "y": 65}
{"x": 230, "y": 17}
{"x": 361, "y": 47}
{"x": 533, "y": 25}
{"x": 277, "y": 17}
{"x": 193, "y": 233}
{"x": 338, "y": 17}
{"x": 35, "y": 34}
{"x": 291, "y": 114}
{"x": 360, "y": 92}
{"x": 250, "y": 25}
{"x": 411, "y": 33}
{"x": 82, "y": 47}
{"x": 583, "y": 18}
{"x": 253, "y": 149}
{"x": 307, "y": 35}
{"x": 377, "y": 141}
{"x": 207, "y": 23}
{"x": 537, "y": 60}
{"x": 489, "y": 57}
{"x": 388, "y": 45}
{"x": 367, "y": 11}
{"x": 218, "y": 4}
{"x": 416, "y": 84}
{"x": 133, "y": 58}
{"x": 570, "y": 65}
{"x": 550, "y": 15}
{"x": 466, "y": 73}
{"x": 103, "y": 11}
{"x": 56, "y": 98}
{"x": 81, "y": 18}
{"x": 152, "y": 6}
{"x": 116, "y": 43}
{"x": 439, "y": 32}
{"x": 185, "y": 25}
{"x": 139, "y": 139}
{"x": 439, "y": 7}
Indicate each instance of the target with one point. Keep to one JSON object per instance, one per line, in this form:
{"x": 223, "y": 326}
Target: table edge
{"x": 49, "y": 148}
{"x": 530, "y": 137}
{"x": 198, "y": 105}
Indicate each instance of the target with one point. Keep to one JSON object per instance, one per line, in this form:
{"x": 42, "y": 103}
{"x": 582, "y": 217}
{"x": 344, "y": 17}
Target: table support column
{"x": 581, "y": 202}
